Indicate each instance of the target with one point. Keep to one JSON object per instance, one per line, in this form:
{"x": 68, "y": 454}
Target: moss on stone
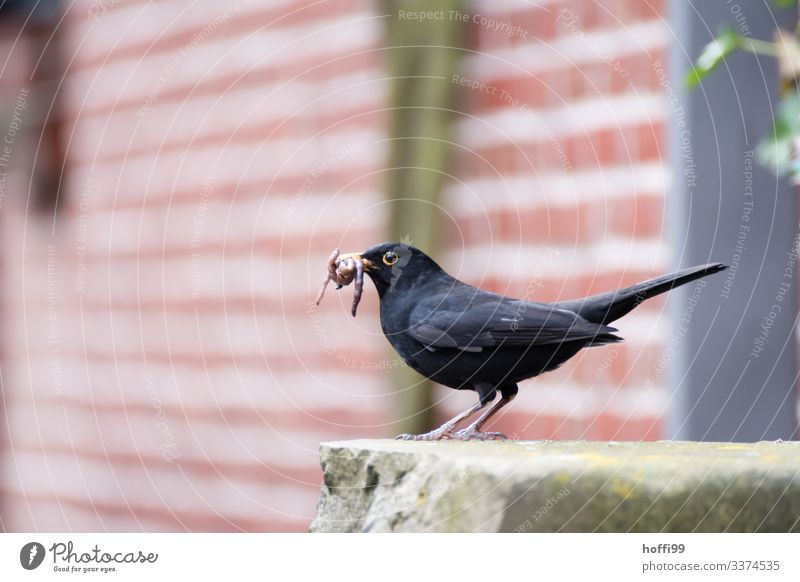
{"x": 559, "y": 486}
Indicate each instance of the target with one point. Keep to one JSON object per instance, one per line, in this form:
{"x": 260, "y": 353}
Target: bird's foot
{"x": 470, "y": 434}
{"x": 435, "y": 435}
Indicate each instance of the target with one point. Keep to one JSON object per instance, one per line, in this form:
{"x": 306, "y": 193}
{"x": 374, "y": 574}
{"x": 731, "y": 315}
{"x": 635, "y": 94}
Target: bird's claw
{"x": 468, "y": 434}
{"x": 434, "y": 435}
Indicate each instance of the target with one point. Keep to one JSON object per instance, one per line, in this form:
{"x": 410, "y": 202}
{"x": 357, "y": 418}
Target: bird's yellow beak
{"x": 368, "y": 265}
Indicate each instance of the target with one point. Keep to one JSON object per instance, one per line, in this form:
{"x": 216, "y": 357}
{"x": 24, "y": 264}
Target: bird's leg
{"x": 446, "y": 430}
{"x": 473, "y": 432}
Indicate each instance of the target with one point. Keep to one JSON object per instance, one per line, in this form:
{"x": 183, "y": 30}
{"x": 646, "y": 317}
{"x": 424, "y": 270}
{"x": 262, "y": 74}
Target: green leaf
{"x": 713, "y": 54}
{"x": 776, "y": 150}
{"x": 786, "y": 3}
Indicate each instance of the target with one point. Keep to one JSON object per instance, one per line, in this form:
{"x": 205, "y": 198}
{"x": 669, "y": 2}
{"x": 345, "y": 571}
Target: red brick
{"x": 598, "y": 79}
{"x": 525, "y": 89}
{"x": 658, "y": 61}
{"x": 556, "y": 88}
{"x": 612, "y": 427}
{"x": 539, "y": 22}
{"x": 538, "y": 427}
{"x": 641, "y": 218}
{"x": 606, "y": 147}
{"x": 653, "y": 8}
{"x": 599, "y": 15}
{"x": 651, "y": 142}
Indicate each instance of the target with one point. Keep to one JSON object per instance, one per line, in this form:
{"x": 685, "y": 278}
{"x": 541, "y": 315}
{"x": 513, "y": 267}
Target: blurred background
{"x": 174, "y": 175}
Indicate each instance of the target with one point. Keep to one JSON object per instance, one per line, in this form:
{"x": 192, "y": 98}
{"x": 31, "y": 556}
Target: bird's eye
{"x": 390, "y": 258}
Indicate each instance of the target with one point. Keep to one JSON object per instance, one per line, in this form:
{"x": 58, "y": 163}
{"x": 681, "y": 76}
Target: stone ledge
{"x": 544, "y": 486}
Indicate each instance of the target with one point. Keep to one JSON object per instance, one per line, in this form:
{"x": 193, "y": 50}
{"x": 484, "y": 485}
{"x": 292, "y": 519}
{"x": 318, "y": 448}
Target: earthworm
{"x": 331, "y": 276}
{"x": 342, "y": 272}
{"x": 359, "y": 284}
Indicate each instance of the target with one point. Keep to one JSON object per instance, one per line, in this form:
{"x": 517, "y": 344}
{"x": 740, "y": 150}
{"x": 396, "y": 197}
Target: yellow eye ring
{"x": 390, "y": 258}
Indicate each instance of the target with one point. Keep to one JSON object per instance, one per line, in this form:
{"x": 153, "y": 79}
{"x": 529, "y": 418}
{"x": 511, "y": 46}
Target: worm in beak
{"x": 343, "y": 269}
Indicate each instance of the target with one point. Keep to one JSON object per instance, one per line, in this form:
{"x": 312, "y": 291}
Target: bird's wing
{"x": 487, "y": 320}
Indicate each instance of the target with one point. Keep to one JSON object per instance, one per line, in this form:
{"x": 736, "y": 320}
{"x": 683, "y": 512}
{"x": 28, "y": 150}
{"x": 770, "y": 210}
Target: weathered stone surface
{"x": 397, "y": 486}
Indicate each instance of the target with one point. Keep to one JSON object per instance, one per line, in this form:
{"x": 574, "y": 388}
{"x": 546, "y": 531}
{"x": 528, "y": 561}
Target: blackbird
{"x": 469, "y": 339}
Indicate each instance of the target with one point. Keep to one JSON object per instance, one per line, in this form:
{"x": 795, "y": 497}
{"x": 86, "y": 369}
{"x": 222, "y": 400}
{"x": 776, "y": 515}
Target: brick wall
{"x": 162, "y": 369}
{"x": 186, "y": 384}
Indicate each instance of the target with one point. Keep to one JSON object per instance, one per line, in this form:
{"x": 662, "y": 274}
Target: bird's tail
{"x": 608, "y": 307}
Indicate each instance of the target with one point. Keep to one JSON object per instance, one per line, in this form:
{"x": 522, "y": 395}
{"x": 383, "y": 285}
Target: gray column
{"x": 734, "y": 367}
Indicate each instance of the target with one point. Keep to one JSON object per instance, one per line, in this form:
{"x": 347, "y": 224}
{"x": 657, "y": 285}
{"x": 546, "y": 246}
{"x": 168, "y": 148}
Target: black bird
{"x": 469, "y": 339}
